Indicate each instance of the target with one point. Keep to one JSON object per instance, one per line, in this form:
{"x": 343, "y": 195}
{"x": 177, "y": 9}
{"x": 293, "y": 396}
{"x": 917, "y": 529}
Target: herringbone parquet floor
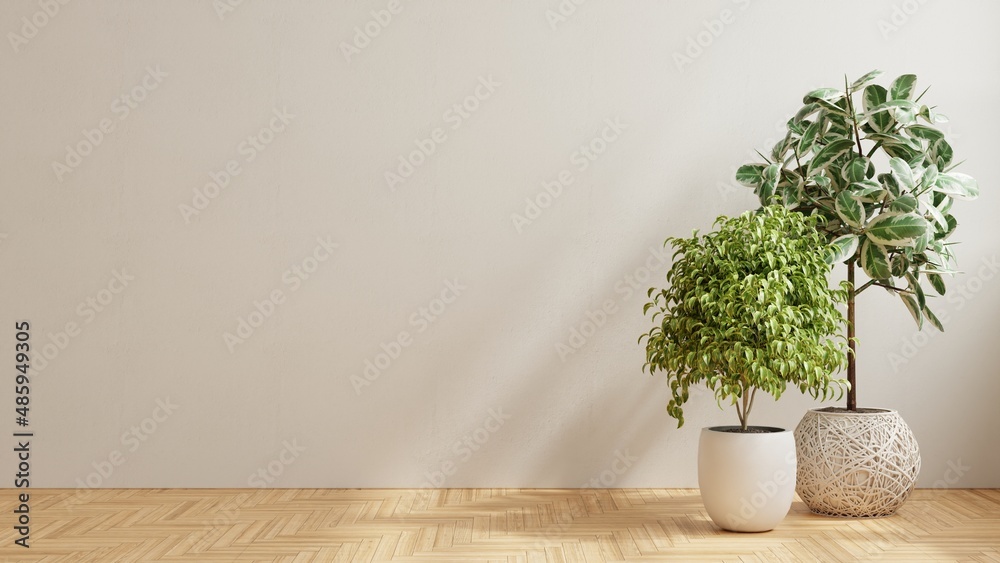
{"x": 475, "y": 525}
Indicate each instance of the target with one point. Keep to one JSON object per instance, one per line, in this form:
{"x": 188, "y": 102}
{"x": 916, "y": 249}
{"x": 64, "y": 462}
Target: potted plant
{"x": 748, "y": 308}
{"x": 870, "y": 165}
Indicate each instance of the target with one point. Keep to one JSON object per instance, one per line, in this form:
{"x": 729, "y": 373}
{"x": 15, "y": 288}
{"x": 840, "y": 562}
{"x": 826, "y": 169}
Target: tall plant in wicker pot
{"x": 871, "y": 165}
{"x": 747, "y": 308}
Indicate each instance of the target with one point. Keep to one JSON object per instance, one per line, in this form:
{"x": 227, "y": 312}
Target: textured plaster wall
{"x": 394, "y": 244}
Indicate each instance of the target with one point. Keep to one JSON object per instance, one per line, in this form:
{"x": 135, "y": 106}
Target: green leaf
{"x": 875, "y": 260}
{"x": 890, "y": 184}
{"x": 895, "y": 140}
{"x": 796, "y": 127}
{"x": 873, "y": 97}
{"x": 928, "y": 178}
{"x": 829, "y": 153}
{"x": 896, "y": 229}
{"x": 838, "y": 124}
{"x": 902, "y": 87}
{"x": 915, "y": 289}
{"x": 769, "y": 183}
{"x": 899, "y": 265}
{"x": 821, "y": 181}
{"x": 793, "y": 194}
{"x": 841, "y": 249}
{"x": 940, "y": 153}
{"x": 920, "y": 244}
{"x": 933, "y": 319}
{"x": 805, "y": 111}
{"x": 850, "y": 210}
{"x": 937, "y": 282}
{"x": 825, "y": 94}
{"x": 808, "y": 138}
{"x": 969, "y": 184}
{"x": 834, "y": 111}
{"x": 952, "y": 225}
{"x": 750, "y": 175}
{"x": 854, "y": 170}
{"x": 903, "y": 173}
{"x": 936, "y": 214}
{"x": 904, "y": 204}
{"x": 911, "y": 305}
{"x": 865, "y": 79}
{"x": 925, "y": 132}
{"x": 906, "y": 116}
{"x": 894, "y": 106}
{"x": 961, "y": 186}
{"x": 781, "y": 147}
{"x": 865, "y": 188}
{"x": 905, "y": 152}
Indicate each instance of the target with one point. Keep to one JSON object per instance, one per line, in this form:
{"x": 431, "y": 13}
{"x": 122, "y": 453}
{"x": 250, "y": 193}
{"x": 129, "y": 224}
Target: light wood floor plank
{"x": 476, "y": 526}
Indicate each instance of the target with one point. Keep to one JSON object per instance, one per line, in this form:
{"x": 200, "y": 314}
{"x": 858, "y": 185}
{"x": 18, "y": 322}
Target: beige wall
{"x": 133, "y": 267}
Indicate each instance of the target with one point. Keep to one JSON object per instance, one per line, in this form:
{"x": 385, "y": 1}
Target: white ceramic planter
{"x": 747, "y": 481}
{"x": 855, "y": 464}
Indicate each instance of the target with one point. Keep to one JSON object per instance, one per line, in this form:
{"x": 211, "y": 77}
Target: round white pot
{"x": 855, "y": 464}
{"x": 747, "y": 481}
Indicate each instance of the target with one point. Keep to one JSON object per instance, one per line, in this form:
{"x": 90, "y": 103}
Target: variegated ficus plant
{"x": 747, "y": 307}
{"x": 872, "y": 163}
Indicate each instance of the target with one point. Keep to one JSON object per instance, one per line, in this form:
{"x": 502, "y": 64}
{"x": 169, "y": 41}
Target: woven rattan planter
{"x": 855, "y": 464}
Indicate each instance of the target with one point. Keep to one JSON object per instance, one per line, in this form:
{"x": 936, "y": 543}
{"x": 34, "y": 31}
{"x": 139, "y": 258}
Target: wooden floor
{"x": 475, "y": 525}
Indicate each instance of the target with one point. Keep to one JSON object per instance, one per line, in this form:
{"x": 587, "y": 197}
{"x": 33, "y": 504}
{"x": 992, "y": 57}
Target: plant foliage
{"x": 747, "y": 307}
{"x": 870, "y": 163}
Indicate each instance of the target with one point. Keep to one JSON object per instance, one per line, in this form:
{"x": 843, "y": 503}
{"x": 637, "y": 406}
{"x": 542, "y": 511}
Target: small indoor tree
{"x": 748, "y": 307}
{"x": 870, "y": 165}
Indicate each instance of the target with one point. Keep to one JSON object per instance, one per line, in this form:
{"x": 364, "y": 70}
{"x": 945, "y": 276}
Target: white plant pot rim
{"x": 770, "y": 429}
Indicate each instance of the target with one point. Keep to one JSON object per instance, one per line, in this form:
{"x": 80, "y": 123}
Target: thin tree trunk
{"x": 852, "y": 397}
{"x": 746, "y": 413}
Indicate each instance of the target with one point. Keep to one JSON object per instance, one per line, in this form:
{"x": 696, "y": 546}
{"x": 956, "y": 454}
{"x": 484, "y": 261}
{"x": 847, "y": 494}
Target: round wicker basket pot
{"x": 855, "y": 464}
